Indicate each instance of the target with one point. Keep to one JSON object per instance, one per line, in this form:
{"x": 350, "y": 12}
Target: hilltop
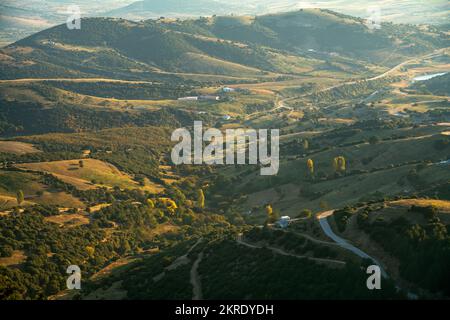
{"x": 250, "y": 46}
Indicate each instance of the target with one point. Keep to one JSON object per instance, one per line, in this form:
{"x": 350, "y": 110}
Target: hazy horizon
{"x": 19, "y": 18}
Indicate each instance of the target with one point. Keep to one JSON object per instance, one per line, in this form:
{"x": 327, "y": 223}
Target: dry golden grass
{"x": 164, "y": 228}
{"x": 83, "y": 178}
{"x": 441, "y": 205}
{"x": 98, "y": 207}
{"x": 68, "y": 220}
{"x": 16, "y": 259}
{"x": 59, "y": 199}
{"x": 12, "y": 181}
{"x": 116, "y": 266}
{"x": 169, "y": 176}
{"x": 7, "y": 202}
{"x": 151, "y": 233}
{"x": 17, "y": 147}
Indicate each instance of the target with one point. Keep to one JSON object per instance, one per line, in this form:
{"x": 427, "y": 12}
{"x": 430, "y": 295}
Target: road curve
{"x": 323, "y": 221}
{"x": 195, "y": 279}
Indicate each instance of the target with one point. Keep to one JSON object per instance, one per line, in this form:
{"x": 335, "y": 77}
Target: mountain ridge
{"x": 251, "y": 42}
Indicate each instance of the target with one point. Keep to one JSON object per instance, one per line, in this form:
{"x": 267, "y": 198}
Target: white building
{"x": 283, "y": 222}
{"x": 188, "y": 99}
{"x": 228, "y": 89}
{"x": 215, "y": 98}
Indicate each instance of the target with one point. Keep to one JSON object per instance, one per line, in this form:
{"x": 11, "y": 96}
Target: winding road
{"x": 323, "y": 221}
{"x": 195, "y": 279}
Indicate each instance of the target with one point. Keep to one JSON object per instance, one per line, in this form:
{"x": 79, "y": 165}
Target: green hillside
{"x": 439, "y": 85}
{"x": 88, "y": 176}
{"x": 107, "y": 46}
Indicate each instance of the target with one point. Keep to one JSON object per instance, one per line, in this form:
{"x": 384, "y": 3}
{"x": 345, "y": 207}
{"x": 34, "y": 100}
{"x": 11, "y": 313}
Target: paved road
{"x": 384, "y": 74}
{"x": 323, "y": 220}
{"x": 195, "y": 279}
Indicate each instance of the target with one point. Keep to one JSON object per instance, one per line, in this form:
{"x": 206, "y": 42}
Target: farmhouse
{"x": 284, "y": 222}
{"x": 214, "y": 98}
{"x": 188, "y": 99}
{"x": 196, "y": 98}
{"x": 86, "y": 153}
{"x": 228, "y": 89}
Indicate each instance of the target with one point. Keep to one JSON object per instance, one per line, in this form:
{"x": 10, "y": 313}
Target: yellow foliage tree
{"x": 169, "y": 204}
{"x": 90, "y": 251}
{"x": 20, "y": 197}
{"x": 269, "y": 210}
{"x": 339, "y": 164}
{"x": 201, "y": 199}
{"x": 305, "y": 144}
{"x": 150, "y": 203}
{"x": 335, "y": 164}
{"x": 310, "y": 165}
{"x": 272, "y": 215}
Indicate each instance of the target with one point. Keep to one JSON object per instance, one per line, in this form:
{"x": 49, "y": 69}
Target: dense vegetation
{"x": 437, "y": 85}
{"x": 422, "y": 249}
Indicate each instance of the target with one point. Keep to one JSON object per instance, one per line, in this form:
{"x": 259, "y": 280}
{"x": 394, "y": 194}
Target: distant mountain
{"x": 147, "y": 9}
{"x": 21, "y": 18}
{"x": 234, "y": 46}
{"x": 398, "y": 11}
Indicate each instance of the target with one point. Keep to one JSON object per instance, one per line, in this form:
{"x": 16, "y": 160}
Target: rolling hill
{"x": 229, "y": 45}
{"x": 439, "y": 85}
{"x": 19, "y": 18}
{"x": 86, "y": 120}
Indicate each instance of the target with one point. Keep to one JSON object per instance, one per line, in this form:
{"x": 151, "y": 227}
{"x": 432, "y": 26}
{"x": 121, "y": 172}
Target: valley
{"x": 87, "y": 178}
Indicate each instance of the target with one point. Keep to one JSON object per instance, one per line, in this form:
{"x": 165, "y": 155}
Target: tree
{"x": 4, "y": 204}
{"x": 272, "y": 215}
{"x": 140, "y": 179}
{"x": 6, "y": 251}
{"x": 124, "y": 246}
{"x": 90, "y": 251}
{"x": 305, "y": 214}
{"x": 201, "y": 199}
{"x": 305, "y": 144}
{"x": 170, "y": 205}
{"x": 150, "y": 203}
{"x": 374, "y": 140}
{"x": 324, "y": 205}
{"x": 342, "y": 163}
{"x": 335, "y": 164}
{"x": 20, "y": 197}
{"x": 310, "y": 165}
{"x": 269, "y": 210}
{"x": 339, "y": 164}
